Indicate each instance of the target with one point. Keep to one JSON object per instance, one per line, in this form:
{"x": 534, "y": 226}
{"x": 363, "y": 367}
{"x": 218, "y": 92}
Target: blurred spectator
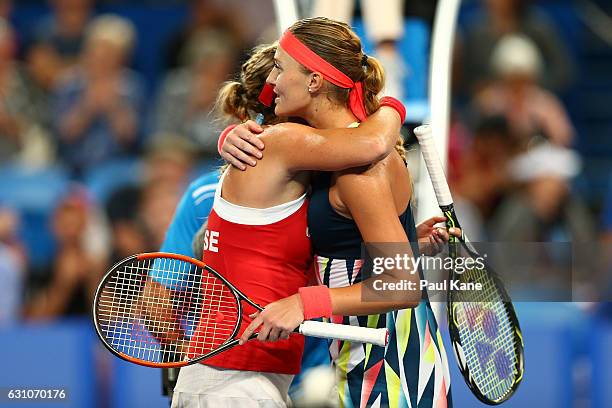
{"x": 139, "y": 217}
{"x": 543, "y": 210}
{"x": 80, "y": 259}
{"x": 168, "y": 164}
{"x": 205, "y": 17}
{"x": 52, "y": 51}
{"x": 55, "y": 47}
{"x": 128, "y": 234}
{"x": 384, "y": 24}
{"x": 515, "y": 94}
{"x": 140, "y": 214}
{"x": 157, "y": 208}
{"x": 62, "y": 33}
{"x": 98, "y": 107}
{"x": 168, "y": 160}
{"x": 503, "y": 17}
{"x": 12, "y": 267}
{"x": 188, "y": 94}
{"x": 18, "y": 114}
{"x": 44, "y": 67}
{"x": 552, "y": 227}
{"x": 480, "y": 177}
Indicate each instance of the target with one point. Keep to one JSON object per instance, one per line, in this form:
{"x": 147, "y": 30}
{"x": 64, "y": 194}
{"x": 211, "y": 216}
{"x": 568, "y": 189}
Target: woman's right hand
{"x": 432, "y": 239}
{"x": 242, "y": 145}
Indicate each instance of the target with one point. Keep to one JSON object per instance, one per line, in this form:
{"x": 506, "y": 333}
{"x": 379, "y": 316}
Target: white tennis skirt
{"x": 202, "y": 386}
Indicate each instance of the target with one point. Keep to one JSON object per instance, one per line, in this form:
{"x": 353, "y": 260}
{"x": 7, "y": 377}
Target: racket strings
{"x": 165, "y": 310}
{"x": 219, "y": 316}
{"x": 128, "y": 329}
{"x": 486, "y": 334}
{"x": 488, "y": 358}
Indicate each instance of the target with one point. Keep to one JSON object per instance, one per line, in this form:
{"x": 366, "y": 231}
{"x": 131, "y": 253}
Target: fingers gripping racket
{"x": 483, "y": 326}
{"x": 167, "y": 310}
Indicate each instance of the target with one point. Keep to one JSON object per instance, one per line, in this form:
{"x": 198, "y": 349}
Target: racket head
{"x": 475, "y": 330}
{"x": 486, "y": 335}
{"x": 165, "y": 310}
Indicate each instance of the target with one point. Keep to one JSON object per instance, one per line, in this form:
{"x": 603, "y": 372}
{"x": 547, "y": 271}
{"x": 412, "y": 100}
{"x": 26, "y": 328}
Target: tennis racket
{"x": 167, "y": 310}
{"x": 483, "y": 326}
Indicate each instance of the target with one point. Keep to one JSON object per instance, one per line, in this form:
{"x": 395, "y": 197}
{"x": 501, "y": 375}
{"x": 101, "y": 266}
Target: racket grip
{"x": 345, "y": 332}
{"x": 434, "y": 166}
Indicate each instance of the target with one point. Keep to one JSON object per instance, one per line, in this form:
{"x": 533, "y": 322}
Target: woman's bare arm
{"x": 305, "y": 148}
{"x": 378, "y": 222}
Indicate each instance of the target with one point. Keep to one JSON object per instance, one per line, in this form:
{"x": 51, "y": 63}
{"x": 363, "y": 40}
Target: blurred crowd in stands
{"x": 93, "y": 161}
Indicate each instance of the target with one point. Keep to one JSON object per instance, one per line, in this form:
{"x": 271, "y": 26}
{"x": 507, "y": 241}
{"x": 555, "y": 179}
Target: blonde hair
{"x": 114, "y": 29}
{"x": 516, "y": 54}
{"x": 239, "y": 99}
{"x": 337, "y": 44}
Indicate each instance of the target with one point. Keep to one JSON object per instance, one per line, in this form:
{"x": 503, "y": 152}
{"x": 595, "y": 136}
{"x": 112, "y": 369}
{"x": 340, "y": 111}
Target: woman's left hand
{"x": 277, "y": 320}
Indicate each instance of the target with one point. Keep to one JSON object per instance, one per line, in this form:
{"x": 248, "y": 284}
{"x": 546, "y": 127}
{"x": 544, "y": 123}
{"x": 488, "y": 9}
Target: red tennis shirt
{"x": 266, "y": 254}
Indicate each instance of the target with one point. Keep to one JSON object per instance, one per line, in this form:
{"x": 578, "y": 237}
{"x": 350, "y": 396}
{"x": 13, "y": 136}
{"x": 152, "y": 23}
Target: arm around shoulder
{"x": 306, "y": 148}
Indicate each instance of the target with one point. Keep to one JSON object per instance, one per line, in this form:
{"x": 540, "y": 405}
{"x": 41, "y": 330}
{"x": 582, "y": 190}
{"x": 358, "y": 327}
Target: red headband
{"x": 305, "y": 56}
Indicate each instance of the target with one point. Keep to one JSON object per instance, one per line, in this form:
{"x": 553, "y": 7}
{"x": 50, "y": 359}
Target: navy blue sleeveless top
{"x": 335, "y": 236}
{"x": 414, "y": 360}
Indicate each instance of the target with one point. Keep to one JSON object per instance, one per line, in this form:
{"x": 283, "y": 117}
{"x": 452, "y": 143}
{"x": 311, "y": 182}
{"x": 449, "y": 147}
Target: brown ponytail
{"x": 373, "y": 82}
{"x": 232, "y": 100}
